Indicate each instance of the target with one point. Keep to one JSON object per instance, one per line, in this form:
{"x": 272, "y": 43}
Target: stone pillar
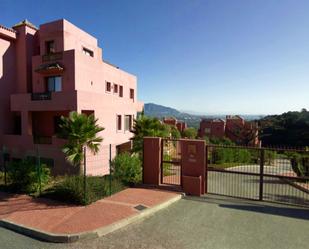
{"x": 152, "y": 160}
{"x": 193, "y": 166}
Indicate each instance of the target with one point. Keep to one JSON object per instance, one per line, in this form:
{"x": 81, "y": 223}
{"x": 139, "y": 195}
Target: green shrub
{"x": 269, "y": 157}
{"x": 71, "y": 189}
{"x": 299, "y": 163}
{"x": 127, "y": 168}
{"x": 25, "y": 176}
{"x": 230, "y": 156}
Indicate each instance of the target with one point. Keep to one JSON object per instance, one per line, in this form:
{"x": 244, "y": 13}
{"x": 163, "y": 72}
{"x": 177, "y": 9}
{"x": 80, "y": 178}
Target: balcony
{"x": 41, "y": 96}
{"x": 55, "y": 101}
{"x": 42, "y": 140}
{"x": 52, "y": 57}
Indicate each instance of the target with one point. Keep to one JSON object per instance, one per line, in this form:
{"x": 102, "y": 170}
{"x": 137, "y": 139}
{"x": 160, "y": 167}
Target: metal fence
{"x": 171, "y": 162}
{"x": 280, "y": 175}
{"x": 42, "y": 156}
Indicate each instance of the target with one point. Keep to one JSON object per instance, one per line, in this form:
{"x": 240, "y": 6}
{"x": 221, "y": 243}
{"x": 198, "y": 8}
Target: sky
{"x": 206, "y": 56}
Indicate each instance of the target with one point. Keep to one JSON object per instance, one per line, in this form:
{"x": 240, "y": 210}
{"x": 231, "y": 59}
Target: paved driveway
{"x": 210, "y": 222}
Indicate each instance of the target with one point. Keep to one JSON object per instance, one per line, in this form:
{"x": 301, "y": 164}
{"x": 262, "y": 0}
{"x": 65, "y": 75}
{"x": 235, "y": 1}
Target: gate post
{"x": 152, "y": 160}
{"x": 193, "y": 166}
{"x": 261, "y": 175}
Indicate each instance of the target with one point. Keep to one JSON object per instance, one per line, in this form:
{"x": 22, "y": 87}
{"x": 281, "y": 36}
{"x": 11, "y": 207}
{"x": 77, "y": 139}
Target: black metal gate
{"x": 279, "y": 175}
{"x": 171, "y": 162}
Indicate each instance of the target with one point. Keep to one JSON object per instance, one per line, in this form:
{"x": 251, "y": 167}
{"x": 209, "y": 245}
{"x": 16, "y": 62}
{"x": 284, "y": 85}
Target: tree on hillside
{"x": 287, "y": 129}
{"x": 80, "y": 131}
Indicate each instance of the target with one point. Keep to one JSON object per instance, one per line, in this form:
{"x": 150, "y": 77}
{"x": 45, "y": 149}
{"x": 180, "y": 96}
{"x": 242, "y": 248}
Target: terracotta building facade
{"x": 235, "y": 128}
{"x": 48, "y": 72}
{"x": 180, "y": 125}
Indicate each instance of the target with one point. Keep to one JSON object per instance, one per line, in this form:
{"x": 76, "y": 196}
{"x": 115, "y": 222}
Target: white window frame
{"x": 130, "y": 123}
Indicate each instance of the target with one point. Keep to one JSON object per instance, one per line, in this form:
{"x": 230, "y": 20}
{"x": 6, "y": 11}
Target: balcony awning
{"x": 50, "y": 68}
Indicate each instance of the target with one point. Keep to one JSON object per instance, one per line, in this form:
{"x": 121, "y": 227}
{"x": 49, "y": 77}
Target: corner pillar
{"x": 151, "y": 160}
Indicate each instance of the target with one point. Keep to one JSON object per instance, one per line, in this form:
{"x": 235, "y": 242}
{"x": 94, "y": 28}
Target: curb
{"x": 69, "y": 238}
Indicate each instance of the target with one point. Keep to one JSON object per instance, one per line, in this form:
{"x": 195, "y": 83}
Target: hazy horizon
{"x": 219, "y": 113}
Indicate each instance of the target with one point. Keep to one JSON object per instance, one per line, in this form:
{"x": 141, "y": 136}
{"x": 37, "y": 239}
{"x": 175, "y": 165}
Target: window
{"x": 119, "y": 124}
{"x": 121, "y": 91}
{"x": 108, "y": 86}
{"x": 57, "y": 122}
{"x": 54, "y": 84}
{"x": 132, "y": 94}
{"x": 207, "y": 130}
{"x": 50, "y": 47}
{"x": 127, "y": 122}
{"x": 115, "y": 88}
{"x": 17, "y": 124}
{"x": 88, "y": 52}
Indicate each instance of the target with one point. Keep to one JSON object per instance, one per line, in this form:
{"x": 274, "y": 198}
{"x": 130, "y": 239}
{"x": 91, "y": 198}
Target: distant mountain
{"x": 160, "y": 111}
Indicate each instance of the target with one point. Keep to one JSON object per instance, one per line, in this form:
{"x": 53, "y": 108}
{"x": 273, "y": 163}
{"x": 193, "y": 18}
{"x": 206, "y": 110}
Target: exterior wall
{"x": 7, "y": 79}
{"x": 83, "y": 89}
{"x": 216, "y": 128}
{"x": 68, "y": 75}
{"x": 25, "y": 46}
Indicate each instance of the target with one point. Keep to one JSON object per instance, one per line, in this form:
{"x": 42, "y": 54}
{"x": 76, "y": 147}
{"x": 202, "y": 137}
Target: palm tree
{"x": 147, "y": 126}
{"x": 80, "y": 131}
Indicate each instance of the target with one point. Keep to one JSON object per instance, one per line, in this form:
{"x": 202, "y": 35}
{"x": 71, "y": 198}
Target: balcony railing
{"x": 52, "y": 57}
{"x": 41, "y": 96}
{"x": 42, "y": 139}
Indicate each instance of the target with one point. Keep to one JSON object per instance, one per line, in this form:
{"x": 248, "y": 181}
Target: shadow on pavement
{"x": 254, "y": 206}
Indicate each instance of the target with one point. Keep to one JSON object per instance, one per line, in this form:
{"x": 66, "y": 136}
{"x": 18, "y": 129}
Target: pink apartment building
{"x": 49, "y": 71}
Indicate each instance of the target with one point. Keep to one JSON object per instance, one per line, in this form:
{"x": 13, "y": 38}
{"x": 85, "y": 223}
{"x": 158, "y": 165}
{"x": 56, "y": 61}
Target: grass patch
{"x": 70, "y": 189}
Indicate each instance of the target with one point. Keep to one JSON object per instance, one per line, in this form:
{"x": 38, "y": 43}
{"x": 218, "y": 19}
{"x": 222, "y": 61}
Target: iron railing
{"x": 171, "y": 162}
{"x": 42, "y": 139}
{"x": 52, "y": 57}
{"x": 41, "y": 96}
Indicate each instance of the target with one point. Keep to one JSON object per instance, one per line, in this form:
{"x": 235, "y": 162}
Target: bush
{"x": 71, "y": 189}
{"x": 127, "y": 168}
{"x": 25, "y": 176}
{"x": 300, "y": 164}
{"x": 230, "y": 155}
{"x": 269, "y": 157}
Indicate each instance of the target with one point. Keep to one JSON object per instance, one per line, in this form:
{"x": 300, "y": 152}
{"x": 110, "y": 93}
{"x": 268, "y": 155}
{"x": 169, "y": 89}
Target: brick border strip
{"x": 69, "y": 238}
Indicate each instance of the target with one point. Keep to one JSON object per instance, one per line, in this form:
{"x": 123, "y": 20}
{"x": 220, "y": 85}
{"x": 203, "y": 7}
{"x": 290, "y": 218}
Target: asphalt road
{"x": 210, "y": 222}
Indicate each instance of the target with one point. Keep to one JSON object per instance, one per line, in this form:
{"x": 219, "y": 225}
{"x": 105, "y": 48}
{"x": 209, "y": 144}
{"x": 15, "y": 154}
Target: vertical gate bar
{"x": 110, "y": 169}
{"x": 162, "y": 171}
{"x": 261, "y": 174}
{"x": 206, "y": 169}
{"x": 85, "y": 175}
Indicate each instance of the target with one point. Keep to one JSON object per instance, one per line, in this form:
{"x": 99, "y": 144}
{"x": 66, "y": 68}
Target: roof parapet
{"x": 26, "y": 23}
{"x": 7, "y": 32}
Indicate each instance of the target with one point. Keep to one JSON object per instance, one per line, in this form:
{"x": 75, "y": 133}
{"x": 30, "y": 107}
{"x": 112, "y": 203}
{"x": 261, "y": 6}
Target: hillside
{"x": 287, "y": 129}
{"x": 159, "y": 111}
